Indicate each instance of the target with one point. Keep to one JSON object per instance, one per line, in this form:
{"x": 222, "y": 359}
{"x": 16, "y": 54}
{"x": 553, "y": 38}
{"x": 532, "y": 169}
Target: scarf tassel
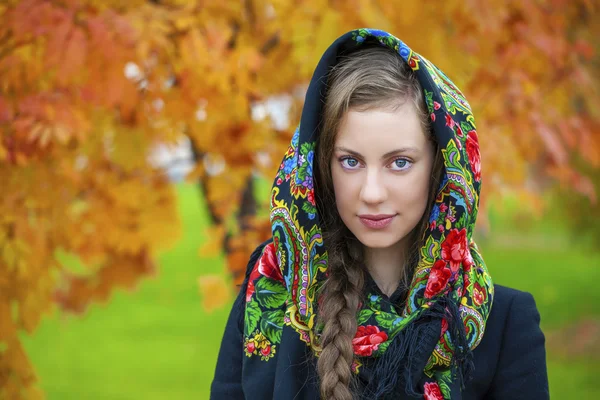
{"x": 409, "y": 352}
{"x": 461, "y": 365}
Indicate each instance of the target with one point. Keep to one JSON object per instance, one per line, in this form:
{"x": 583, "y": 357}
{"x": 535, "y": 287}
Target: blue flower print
{"x": 309, "y": 158}
{"x": 404, "y": 51}
{"x": 290, "y": 163}
{"x": 435, "y": 213}
{"x": 379, "y": 33}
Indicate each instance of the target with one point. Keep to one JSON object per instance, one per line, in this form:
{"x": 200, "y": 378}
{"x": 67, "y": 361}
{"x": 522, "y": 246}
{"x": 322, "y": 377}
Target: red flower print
{"x": 432, "y": 117}
{"x": 459, "y": 131}
{"x": 438, "y": 278}
{"x": 474, "y": 154}
{"x": 367, "y": 340}
{"x": 449, "y": 121}
{"x": 432, "y": 391}
{"x": 478, "y": 294}
{"x": 268, "y": 263}
{"x": 279, "y": 181}
{"x": 265, "y": 351}
{"x": 458, "y": 143}
{"x": 436, "y": 105}
{"x": 250, "y": 289}
{"x": 455, "y": 248}
{"x": 444, "y": 326}
{"x": 311, "y": 197}
{"x": 467, "y": 281}
{"x": 468, "y": 262}
{"x": 265, "y": 266}
{"x": 250, "y": 347}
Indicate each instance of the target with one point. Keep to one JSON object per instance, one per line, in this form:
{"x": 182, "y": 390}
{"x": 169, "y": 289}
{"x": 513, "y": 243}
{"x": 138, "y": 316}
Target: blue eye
{"x": 401, "y": 164}
{"x": 349, "y": 162}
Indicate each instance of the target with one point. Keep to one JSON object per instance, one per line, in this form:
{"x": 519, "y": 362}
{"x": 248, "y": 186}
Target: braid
{"x": 341, "y": 296}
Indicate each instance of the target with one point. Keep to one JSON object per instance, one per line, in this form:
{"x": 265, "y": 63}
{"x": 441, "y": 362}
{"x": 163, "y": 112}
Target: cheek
{"x": 422, "y": 182}
{"x": 413, "y": 192}
{"x": 344, "y": 188}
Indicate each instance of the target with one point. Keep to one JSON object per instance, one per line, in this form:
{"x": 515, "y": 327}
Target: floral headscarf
{"x": 451, "y": 291}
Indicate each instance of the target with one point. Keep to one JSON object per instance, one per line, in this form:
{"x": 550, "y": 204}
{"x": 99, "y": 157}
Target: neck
{"x": 386, "y": 266}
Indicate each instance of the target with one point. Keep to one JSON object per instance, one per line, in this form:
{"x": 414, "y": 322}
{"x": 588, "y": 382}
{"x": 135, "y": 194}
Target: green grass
{"x": 157, "y": 342}
{"x": 153, "y": 343}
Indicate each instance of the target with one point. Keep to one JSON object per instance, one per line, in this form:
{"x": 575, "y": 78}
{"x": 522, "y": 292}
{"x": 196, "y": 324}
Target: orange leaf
{"x": 214, "y": 290}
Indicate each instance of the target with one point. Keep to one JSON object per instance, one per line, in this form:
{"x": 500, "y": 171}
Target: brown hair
{"x": 373, "y": 77}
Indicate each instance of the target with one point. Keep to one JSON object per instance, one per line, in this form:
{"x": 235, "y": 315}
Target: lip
{"x": 379, "y": 221}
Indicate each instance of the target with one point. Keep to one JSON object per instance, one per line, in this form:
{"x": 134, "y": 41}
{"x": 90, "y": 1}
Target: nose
{"x": 373, "y": 190}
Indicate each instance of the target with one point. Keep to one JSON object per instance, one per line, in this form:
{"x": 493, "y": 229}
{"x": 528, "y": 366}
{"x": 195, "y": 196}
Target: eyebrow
{"x": 386, "y": 155}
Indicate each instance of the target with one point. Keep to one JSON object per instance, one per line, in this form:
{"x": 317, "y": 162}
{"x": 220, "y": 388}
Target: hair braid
{"x": 341, "y": 297}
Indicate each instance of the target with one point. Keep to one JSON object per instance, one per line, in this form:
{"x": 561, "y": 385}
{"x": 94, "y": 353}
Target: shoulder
{"x": 512, "y": 328}
{"x": 506, "y": 299}
{"x": 511, "y": 356}
{"x": 510, "y": 304}
{"x": 513, "y": 319}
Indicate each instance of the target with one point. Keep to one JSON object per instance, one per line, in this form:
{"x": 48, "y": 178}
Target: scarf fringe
{"x": 461, "y": 365}
{"x": 409, "y": 352}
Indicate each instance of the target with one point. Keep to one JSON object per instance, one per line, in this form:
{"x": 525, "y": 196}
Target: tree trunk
{"x": 202, "y": 183}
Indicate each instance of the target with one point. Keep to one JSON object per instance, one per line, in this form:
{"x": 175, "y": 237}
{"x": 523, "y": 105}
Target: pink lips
{"x": 376, "y": 221}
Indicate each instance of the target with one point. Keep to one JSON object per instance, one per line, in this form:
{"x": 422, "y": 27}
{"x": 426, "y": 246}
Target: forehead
{"x": 378, "y": 131}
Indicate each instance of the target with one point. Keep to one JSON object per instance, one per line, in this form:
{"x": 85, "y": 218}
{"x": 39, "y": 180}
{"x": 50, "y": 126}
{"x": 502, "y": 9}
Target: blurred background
{"x": 138, "y": 144}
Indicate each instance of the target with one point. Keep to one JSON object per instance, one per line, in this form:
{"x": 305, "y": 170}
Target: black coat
{"x": 510, "y": 361}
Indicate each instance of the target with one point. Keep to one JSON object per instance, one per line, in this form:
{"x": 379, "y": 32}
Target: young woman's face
{"x": 381, "y": 170}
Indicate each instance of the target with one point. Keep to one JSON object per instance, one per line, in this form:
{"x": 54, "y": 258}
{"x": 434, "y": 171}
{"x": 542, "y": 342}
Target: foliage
{"x": 161, "y": 343}
{"x": 580, "y": 214}
{"x": 88, "y": 88}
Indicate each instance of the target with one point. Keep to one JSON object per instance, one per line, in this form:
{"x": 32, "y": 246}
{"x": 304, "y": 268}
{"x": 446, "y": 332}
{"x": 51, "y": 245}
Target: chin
{"x": 378, "y": 240}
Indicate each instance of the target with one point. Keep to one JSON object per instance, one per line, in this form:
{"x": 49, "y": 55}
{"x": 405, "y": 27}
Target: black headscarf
{"x": 426, "y": 345}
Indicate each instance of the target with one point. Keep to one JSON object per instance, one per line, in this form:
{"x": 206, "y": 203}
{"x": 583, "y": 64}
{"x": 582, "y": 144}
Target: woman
{"x": 372, "y": 286}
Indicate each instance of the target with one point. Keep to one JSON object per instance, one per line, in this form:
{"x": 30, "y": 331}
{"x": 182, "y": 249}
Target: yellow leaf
{"x": 214, "y": 240}
{"x": 215, "y": 292}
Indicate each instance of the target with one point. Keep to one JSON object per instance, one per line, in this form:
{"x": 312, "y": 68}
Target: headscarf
{"x": 451, "y": 292}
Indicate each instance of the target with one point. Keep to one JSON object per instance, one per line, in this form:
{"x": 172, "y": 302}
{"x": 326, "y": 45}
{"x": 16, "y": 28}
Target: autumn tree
{"x": 89, "y": 88}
